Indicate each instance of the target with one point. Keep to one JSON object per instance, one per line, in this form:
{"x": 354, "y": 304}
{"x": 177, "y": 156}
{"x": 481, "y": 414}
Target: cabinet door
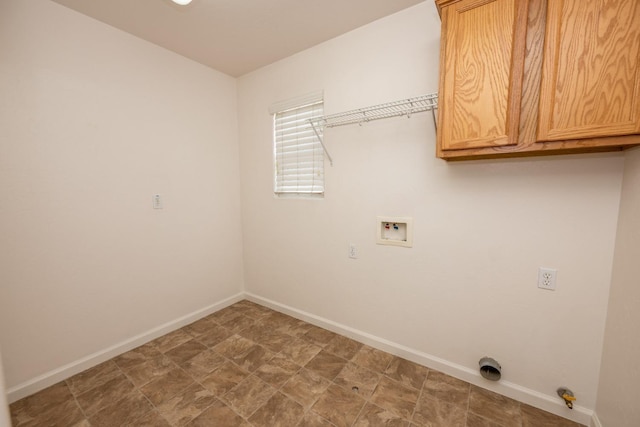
{"x": 591, "y": 70}
{"x": 482, "y": 60}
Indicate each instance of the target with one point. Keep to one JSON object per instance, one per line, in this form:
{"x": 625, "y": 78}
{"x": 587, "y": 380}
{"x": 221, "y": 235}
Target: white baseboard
{"x": 531, "y": 397}
{"x": 534, "y": 398}
{"x": 52, "y": 377}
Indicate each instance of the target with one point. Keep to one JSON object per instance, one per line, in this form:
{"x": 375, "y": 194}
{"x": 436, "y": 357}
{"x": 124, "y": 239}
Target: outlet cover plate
{"x": 353, "y": 251}
{"x": 547, "y": 278}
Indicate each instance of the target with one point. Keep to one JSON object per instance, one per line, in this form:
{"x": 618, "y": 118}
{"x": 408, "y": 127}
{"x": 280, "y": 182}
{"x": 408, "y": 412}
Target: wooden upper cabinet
{"x": 532, "y": 77}
{"x": 591, "y": 70}
{"x": 482, "y": 55}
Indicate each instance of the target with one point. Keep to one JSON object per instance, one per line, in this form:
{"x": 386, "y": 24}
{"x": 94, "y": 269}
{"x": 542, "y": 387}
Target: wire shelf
{"x": 405, "y": 107}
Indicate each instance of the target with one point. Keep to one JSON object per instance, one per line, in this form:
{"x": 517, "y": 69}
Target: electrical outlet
{"x": 353, "y": 251}
{"x": 157, "y": 201}
{"x": 547, "y": 278}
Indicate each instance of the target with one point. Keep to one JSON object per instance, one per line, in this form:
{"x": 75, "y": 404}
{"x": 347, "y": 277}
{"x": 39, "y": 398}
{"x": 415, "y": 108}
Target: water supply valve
{"x": 567, "y": 396}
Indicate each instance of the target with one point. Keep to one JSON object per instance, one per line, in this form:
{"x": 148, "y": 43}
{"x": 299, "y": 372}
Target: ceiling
{"x": 237, "y": 36}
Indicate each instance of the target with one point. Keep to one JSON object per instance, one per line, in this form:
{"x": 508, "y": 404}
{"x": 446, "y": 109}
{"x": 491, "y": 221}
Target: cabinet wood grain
{"x": 591, "y": 71}
{"x": 573, "y": 77}
{"x": 483, "y": 62}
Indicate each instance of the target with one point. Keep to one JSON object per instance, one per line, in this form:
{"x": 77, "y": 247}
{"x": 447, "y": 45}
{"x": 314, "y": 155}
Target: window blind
{"x": 299, "y": 157}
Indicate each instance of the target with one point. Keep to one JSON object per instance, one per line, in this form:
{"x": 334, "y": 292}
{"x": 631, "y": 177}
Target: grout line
{"x": 136, "y": 388}
{"x": 466, "y": 413}
{"x": 415, "y": 407}
{"x": 76, "y": 400}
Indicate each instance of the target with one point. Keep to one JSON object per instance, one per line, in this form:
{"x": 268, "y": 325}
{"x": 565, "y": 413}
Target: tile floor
{"x": 247, "y": 365}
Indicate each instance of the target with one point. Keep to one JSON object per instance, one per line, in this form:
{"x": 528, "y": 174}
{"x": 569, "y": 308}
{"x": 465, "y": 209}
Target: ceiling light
{"x": 182, "y": 2}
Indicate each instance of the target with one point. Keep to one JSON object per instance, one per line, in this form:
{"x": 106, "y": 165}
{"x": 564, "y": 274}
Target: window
{"x": 299, "y": 157}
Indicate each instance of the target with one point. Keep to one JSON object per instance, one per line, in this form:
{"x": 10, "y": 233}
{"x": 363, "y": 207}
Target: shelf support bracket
{"x": 321, "y": 142}
{"x": 435, "y": 120}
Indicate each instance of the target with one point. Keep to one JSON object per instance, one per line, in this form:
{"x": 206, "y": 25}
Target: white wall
{"x": 618, "y": 393}
{"x": 468, "y": 286}
{"x": 94, "y": 121}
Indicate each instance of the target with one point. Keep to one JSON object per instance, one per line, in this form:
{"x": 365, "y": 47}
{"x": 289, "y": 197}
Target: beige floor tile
{"x": 311, "y": 419}
{"x": 301, "y": 351}
{"x": 326, "y": 365}
{"x": 245, "y": 353}
{"x": 274, "y": 341}
{"x": 233, "y": 346}
{"x": 136, "y": 356}
{"x": 373, "y": 359}
{"x": 364, "y": 380}
{"x": 25, "y": 410}
{"x": 437, "y": 413}
{"x": 343, "y": 347}
{"x": 203, "y": 364}
{"x": 305, "y": 387}
{"x": 252, "y": 310}
{"x": 171, "y": 340}
{"x": 279, "y": 411}
{"x": 446, "y": 388}
{"x": 339, "y": 406}
{"x": 474, "y": 420}
{"x": 248, "y": 396}
{"x": 256, "y": 331}
{"x": 225, "y": 315}
{"x": 200, "y": 327}
{"x": 166, "y": 386}
{"x": 223, "y": 379}
{"x": 128, "y": 409}
{"x": 55, "y": 405}
{"x": 533, "y": 417}
{"x": 151, "y": 419}
{"x": 219, "y": 414}
{"x": 67, "y": 413}
{"x": 374, "y": 416}
{"x": 93, "y": 377}
{"x": 239, "y": 323}
{"x": 214, "y": 336}
{"x": 296, "y": 328}
{"x": 395, "y": 397}
{"x": 186, "y": 405}
{"x": 406, "y": 372}
{"x": 150, "y": 369}
{"x": 186, "y": 351}
{"x": 319, "y": 336}
{"x": 253, "y": 358}
{"x": 277, "y": 371}
{"x": 495, "y": 407}
{"x": 273, "y": 321}
{"x": 104, "y": 395}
